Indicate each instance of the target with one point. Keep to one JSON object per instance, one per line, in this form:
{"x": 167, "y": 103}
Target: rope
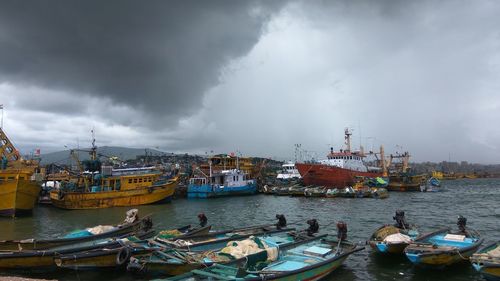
{"x": 464, "y": 258}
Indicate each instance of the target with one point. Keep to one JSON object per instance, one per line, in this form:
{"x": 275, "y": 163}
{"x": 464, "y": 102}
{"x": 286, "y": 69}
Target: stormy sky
{"x": 254, "y": 76}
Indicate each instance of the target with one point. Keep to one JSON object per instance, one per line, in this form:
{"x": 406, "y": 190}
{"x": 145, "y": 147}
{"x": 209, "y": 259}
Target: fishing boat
{"x": 92, "y": 234}
{"x": 393, "y": 239}
{"x": 288, "y": 172}
{"x": 100, "y": 186}
{"x": 405, "y": 182}
{"x": 19, "y": 180}
{"x": 118, "y": 254}
{"x": 44, "y": 259}
{"x": 176, "y": 261}
{"x": 220, "y": 184}
{"x": 487, "y": 261}
{"x": 311, "y": 259}
{"x": 217, "y": 239}
{"x": 339, "y": 169}
{"x": 444, "y": 247}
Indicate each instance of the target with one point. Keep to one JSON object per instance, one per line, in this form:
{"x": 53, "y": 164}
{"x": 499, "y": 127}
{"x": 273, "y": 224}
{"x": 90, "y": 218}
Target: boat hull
{"x": 438, "y": 253}
{"x": 403, "y": 186}
{"x": 208, "y": 191}
{"x": 386, "y": 248}
{"x": 331, "y": 176}
{"x": 97, "y": 200}
{"x": 26, "y": 261}
{"x": 18, "y": 197}
{"x": 487, "y": 265}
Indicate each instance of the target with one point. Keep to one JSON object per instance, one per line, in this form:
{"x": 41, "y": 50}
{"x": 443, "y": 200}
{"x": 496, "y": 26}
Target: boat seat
{"x": 286, "y": 266}
{"x": 442, "y": 241}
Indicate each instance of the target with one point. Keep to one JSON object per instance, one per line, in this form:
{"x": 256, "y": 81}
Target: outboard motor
{"x": 281, "y": 221}
{"x": 313, "y": 227}
{"x": 400, "y": 220}
{"x": 203, "y": 219}
{"x": 461, "y": 223}
{"x": 341, "y": 231}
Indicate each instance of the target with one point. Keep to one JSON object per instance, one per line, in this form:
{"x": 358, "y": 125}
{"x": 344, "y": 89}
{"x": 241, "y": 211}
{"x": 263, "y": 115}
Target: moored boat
{"x": 311, "y": 259}
{"x": 487, "y": 261}
{"x": 176, "y": 261}
{"x": 444, "y": 247}
{"x": 19, "y": 180}
{"x": 288, "y": 172}
{"x": 220, "y": 184}
{"x": 393, "y": 239}
{"x": 31, "y": 259}
{"x": 339, "y": 169}
{"x": 118, "y": 254}
{"x": 82, "y": 236}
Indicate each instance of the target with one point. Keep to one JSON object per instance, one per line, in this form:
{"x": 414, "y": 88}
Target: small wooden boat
{"x": 218, "y": 239}
{"x": 442, "y": 248}
{"x": 487, "y": 261}
{"x": 45, "y": 258}
{"x": 144, "y": 224}
{"x": 389, "y": 239}
{"x": 176, "y": 261}
{"x": 311, "y": 259}
{"x": 393, "y": 239}
{"x": 119, "y": 254}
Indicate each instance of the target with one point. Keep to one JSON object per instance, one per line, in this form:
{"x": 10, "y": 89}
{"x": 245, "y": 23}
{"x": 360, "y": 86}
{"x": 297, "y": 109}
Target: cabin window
{"x": 140, "y": 180}
{"x": 10, "y": 178}
{"x": 22, "y": 178}
{"x": 129, "y": 180}
{"x": 135, "y": 180}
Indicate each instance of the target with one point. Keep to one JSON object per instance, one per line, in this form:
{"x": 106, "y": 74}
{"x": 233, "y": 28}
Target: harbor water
{"x": 478, "y": 200}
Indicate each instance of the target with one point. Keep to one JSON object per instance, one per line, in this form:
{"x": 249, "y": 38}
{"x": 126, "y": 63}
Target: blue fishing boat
{"x": 487, "y": 261}
{"x": 310, "y": 259}
{"x": 173, "y": 262}
{"x": 393, "y": 239}
{"x": 223, "y": 183}
{"x": 444, "y": 247}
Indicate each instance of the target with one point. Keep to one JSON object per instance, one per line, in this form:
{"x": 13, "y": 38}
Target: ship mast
{"x": 347, "y": 140}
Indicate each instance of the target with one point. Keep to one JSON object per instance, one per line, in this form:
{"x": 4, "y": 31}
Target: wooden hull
{"x": 34, "y": 244}
{"x": 423, "y": 253}
{"x": 28, "y": 261}
{"x": 487, "y": 264}
{"x": 397, "y": 186}
{"x": 385, "y": 248}
{"x": 330, "y": 176}
{"x": 96, "y": 200}
{"x": 18, "y": 196}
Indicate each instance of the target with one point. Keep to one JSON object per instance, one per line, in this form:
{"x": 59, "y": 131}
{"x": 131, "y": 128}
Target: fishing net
{"x": 168, "y": 234}
{"x": 382, "y": 233}
{"x": 101, "y": 229}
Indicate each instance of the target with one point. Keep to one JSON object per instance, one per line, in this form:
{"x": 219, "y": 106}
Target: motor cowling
{"x": 342, "y": 230}
{"x": 462, "y": 223}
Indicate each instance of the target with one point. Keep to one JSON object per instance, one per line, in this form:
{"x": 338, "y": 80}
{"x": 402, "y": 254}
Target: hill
{"x": 123, "y": 153}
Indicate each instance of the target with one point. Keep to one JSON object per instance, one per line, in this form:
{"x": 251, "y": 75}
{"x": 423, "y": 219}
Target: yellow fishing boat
{"x": 18, "y": 189}
{"x": 129, "y": 190}
{"x": 100, "y": 186}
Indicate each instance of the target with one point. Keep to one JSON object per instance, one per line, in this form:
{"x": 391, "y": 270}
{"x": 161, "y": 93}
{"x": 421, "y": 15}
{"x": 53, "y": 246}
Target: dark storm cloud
{"x": 155, "y": 56}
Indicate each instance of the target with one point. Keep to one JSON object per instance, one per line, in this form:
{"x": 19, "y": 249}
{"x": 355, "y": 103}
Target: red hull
{"x": 330, "y": 176}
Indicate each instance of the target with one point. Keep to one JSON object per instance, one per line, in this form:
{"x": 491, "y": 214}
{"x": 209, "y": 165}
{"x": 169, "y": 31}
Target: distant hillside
{"x": 124, "y": 153}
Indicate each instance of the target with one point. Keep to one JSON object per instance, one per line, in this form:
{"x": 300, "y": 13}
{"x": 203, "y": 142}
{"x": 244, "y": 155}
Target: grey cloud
{"x": 155, "y": 56}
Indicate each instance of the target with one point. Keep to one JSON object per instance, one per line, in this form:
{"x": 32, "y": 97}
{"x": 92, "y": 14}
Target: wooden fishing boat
{"x": 389, "y": 239}
{"x": 99, "y": 186}
{"x": 19, "y": 187}
{"x": 393, "y": 239}
{"x": 487, "y": 261}
{"x": 442, "y": 248}
{"x": 45, "y": 258}
{"x": 309, "y": 260}
{"x": 176, "y": 261}
{"x": 218, "y": 239}
{"x": 106, "y": 257}
{"x": 144, "y": 224}
{"x": 124, "y": 190}
{"x": 119, "y": 254}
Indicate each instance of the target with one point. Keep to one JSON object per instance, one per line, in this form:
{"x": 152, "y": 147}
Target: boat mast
{"x": 347, "y": 140}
